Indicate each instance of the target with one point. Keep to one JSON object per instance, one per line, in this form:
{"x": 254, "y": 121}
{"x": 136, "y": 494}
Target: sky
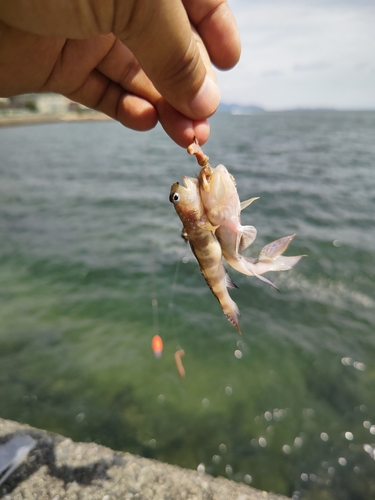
{"x": 303, "y": 53}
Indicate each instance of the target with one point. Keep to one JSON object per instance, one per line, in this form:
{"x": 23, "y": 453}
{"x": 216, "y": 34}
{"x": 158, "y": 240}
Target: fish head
{"x": 186, "y": 199}
{"x": 219, "y": 196}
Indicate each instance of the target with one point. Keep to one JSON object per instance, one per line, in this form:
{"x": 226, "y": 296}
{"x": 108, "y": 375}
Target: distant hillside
{"x": 239, "y": 109}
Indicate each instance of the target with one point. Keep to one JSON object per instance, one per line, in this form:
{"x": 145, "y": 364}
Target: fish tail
{"x": 232, "y": 315}
{"x": 275, "y": 248}
{"x": 271, "y": 258}
{"x": 271, "y": 255}
{"x": 229, "y": 307}
{"x": 219, "y": 289}
{"x": 280, "y": 263}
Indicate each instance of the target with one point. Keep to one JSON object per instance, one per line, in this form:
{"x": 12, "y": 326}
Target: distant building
{"x": 45, "y": 104}
{"x": 4, "y": 102}
{"x": 52, "y": 104}
{"x": 40, "y": 108}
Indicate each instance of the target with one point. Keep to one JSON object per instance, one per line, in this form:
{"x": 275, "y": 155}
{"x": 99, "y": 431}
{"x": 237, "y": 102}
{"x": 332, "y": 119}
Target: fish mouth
{"x": 189, "y": 182}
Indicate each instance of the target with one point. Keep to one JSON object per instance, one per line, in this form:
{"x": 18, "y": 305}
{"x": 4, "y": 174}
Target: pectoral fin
{"x": 184, "y": 235}
{"x": 229, "y": 282}
{"x": 249, "y": 233}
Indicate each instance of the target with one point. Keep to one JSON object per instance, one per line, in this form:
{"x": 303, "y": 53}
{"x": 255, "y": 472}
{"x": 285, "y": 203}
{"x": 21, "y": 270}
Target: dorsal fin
{"x": 248, "y": 202}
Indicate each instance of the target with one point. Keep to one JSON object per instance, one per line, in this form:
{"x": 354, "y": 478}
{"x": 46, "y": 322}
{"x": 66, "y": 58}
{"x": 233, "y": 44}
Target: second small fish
{"x": 222, "y": 206}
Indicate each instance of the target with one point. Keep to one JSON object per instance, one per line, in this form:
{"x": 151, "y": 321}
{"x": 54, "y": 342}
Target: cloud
{"x": 313, "y": 66}
{"x": 272, "y": 73}
{"x": 304, "y": 53}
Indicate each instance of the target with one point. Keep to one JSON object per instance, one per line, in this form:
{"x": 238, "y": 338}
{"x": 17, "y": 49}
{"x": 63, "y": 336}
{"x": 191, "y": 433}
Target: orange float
{"x": 157, "y": 346}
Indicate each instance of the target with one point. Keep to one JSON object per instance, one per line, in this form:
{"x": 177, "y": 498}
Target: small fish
{"x": 157, "y": 345}
{"x": 204, "y": 244}
{"x": 12, "y": 454}
{"x": 222, "y": 205}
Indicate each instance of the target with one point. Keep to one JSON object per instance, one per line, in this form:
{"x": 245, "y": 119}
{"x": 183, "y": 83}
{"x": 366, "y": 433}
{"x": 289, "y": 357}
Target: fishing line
{"x": 171, "y": 299}
{"x": 155, "y": 302}
{"x": 155, "y": 315}
{"x": 154, "y": 299}
{"x": 156, "y": 342}
{"x": 161, "y": 328}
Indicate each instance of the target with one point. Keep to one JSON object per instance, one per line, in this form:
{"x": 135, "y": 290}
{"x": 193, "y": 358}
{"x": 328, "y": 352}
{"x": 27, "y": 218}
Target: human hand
{"x": 138, "y": 61}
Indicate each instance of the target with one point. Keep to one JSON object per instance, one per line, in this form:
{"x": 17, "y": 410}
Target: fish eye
{"x": 174, "y": 198}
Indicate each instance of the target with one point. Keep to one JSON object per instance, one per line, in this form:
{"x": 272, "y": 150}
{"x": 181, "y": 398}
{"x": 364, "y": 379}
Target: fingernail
{"x": 207, "y": 99}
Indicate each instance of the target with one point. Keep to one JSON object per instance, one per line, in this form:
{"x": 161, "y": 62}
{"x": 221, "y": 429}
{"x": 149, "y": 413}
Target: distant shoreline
{"x": 37, "y": 118}
{"x": 19, "y": 119}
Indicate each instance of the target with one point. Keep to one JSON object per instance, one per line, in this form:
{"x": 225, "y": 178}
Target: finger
{"x": 101, "y": 94}
{"x": 101, "y": 73}
{"x": 161, "y": 39}
{"x": 119, "y": 65}
{"x": 134, "y": 112}
{"x": 217, "y": 27}
{"x": 181, "y": 129}
{"x": 77, "y": 75}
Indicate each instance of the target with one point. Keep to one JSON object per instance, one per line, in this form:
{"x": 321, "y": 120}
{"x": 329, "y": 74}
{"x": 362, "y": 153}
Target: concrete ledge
{"x": 59, "y": 469}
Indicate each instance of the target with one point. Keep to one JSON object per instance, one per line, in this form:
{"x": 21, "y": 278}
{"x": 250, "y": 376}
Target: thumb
{"x": 159, "y": 34}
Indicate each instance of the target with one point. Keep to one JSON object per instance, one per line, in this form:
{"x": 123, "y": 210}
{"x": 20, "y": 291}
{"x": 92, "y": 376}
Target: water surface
{"x": 88, "y": 239}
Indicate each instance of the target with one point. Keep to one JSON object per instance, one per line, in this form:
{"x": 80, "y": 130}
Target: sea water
{"x": 92, "y": 266}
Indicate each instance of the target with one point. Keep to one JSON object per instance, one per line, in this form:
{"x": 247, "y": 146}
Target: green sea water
{"x": 89, "y": 242}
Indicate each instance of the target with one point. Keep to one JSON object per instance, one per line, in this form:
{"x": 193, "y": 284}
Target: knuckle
{"x": 184, "y": 71}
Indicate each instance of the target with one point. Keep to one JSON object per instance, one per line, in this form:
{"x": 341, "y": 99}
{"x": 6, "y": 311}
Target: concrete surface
{"x": 59, "y": 469}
